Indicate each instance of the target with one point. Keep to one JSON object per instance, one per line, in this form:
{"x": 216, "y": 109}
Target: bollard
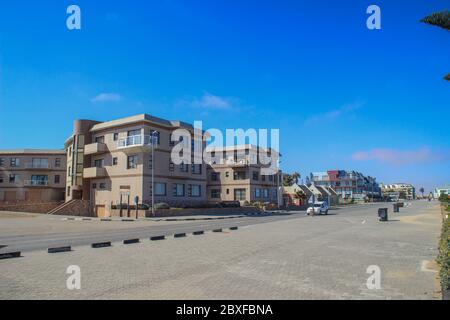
{"x": 59, "y": 250}
{"x": 383, "y": 214}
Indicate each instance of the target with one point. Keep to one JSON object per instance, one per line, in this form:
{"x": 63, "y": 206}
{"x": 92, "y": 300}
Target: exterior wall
{"x": 36, "y": 180}
{"x": 104, "y": 186}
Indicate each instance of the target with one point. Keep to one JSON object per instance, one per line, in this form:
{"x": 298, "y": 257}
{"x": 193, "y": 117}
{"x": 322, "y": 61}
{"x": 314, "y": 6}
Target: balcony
{"x": 90, "y": 173}
{"x": 37, "y": 166}
{"x": 231, "y": 162}
{"x": 36, "y": 183}
{"x": 135, "y": 144}
{"x": 95, "y": 148}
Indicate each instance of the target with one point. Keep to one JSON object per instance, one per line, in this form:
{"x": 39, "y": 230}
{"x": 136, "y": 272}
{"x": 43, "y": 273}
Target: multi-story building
{"x": 32, "y": 175}
{"x": 398, "y": 191}
{"x": 440, "y": 191}
{"x": 112, "y": 163}
{"x": 236, "y": 173}
{"x": 348, "y": 184}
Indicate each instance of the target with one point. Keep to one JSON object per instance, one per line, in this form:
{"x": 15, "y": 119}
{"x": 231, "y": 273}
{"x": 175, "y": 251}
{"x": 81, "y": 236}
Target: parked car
{"x": 320, "y": 207}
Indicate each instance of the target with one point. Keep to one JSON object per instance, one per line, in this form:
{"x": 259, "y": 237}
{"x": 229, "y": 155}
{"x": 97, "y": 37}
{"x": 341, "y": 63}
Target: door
{"x": 10, "y": 196}
{"x": 100, "y": 211}
{"x": 33, "y": 195}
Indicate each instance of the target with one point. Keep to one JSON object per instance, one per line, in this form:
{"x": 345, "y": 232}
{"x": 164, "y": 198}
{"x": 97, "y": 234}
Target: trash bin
{"x": 396, "y": 207}
{"x": 383, "y": 214}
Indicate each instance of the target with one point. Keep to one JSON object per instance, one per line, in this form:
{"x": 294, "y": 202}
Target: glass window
{"x": 195, "y": 190}
{"x": 184, "y": 167}
{"x": 99, "y": 163}
{"x": 132, "y": 162}
{"x": 102, "y": 185}
{"x": 215, "y": 176}
{"x": 239, "y": 194}
{"x": 94, "y": 186}
{"x": 115, "y": 136}
{"x": 215, "y": 193}
{"x": 13, "y": 178}
{"x": 255, "y": 175}
{"x": 239, "y": 175}
{"x": 39, "y": 163}
{"x": 171, "y": 166}
{"x": 58, "y": 162}
{"x": 133, "y": 133}
{"x": 39, "y": 180}
{"x": 100, "y": 139}
{"x": 160, "y": 189}
{"x": 196, "y": 169}
{"x": 57, "y": 179}
{"x": 178, "y": 190}
{"x": 14, "y": 162}
{"x": 2, "y": 162}
{"x": 115, "y": 161}
{"x": 257, "y": 193}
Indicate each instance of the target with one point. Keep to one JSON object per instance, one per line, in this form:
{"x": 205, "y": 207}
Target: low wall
{"x": 29, "y": 207}
{"x": 184, "y": 212}
{"x": 78, "y": 208}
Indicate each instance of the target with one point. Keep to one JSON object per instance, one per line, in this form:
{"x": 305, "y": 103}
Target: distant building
{"x": 442, "y": 190}
{"x": 35, "y": 176}
{"x": 348, "y": 185}
{"x": 398, "y": 191}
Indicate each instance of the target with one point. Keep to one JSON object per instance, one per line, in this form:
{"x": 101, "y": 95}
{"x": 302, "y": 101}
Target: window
{"x": 196, "y": 169}
{"x": 2, "y": 162}
{"x": 133, "y": 133}
{"x": 239, "y": 194}
{"x": 39, "y": 180}
{"x": 14, "y": 162}
{"x": 160, "y": 189}
{"x": 257, "y": 193}
{"x": 215, "y": 193}
{"x": 255, "y": 175}
{"x": 171, "y": 142}
{"x": 13, "y": 178}
{"x": 94, "y": 186}
{"x": 195, "y": 190}
{"x": 227, "y": 174}
{"x": 132, "y": 162}
{"x": 68, "y": 191}
{"x": 102, "y": 185}
{"x": 115, "y": 136}
{"x": 57, "y": 179}
{"x": 178, "y": 190}
{"x": 215, "y": 176}
{"x": 228, "y": 191}
{"x": 58, "y": 162}
{"x": 265, "y": 193}
{"x": 100, "y": 139}
{"x": 115, "y": 161}
{"x": 39, "y": 163}
{"x": 171, "y": 166}
{"x": 184, "y": 167}
{"x": 239, "y": 175}
{"x": 1, "y": 179}
{"x": 263, "y": 178}
{"x": 69, "y": 171}
{"x": 99, "y": 163}
{"x": 271, "y": 178}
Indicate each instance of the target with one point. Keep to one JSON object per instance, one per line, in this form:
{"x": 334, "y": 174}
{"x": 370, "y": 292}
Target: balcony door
{"x": 39, "y": 180}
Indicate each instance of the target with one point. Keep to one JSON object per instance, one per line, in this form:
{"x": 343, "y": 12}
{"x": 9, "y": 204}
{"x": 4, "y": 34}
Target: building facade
{"x": 112, "y": 163}
{"x": 32, "y": 175}
{"x": 441, "y": 190}
{"x": 349, "y": 185}
{"x": 398, "y": 191}
{"x": 237, "y": 173}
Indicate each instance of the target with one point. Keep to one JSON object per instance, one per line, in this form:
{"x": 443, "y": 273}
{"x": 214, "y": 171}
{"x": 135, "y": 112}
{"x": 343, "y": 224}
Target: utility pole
{"x": 152, "y": 137}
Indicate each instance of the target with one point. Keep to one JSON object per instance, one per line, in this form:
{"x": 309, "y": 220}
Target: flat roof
{"x": 33, "y": 151}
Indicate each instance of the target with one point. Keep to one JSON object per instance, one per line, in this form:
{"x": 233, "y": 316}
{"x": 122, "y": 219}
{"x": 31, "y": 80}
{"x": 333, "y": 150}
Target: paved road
{"x": 96, "y": 231}
{"x": 294, "y": 257}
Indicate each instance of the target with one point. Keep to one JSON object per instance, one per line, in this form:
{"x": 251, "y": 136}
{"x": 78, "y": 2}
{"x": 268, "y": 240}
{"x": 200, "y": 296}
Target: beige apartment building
{"x": 236, "y": 173}
{"x": 32, "y": 175}
{"x": 112, "y": 163}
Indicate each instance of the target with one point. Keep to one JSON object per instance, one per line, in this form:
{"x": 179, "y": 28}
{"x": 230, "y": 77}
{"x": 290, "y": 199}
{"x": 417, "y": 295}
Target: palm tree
{"x": 422, "y": 190}
{"x": 296, "y": 176}
{"x": 440, "y": 19}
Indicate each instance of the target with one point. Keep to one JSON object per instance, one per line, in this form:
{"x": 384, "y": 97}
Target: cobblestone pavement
{"x": 324, "y": 257}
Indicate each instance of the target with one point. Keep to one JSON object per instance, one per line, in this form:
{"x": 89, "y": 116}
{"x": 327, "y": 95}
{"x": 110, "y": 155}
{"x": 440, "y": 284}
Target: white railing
{"x": 37, "y": 166}
{"x": 136, "y": 141}
{"x": 36, "y": 183}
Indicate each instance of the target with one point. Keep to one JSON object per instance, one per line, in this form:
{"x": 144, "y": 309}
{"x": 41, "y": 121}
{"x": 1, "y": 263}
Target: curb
{"x": 198, "y": 233}
{"x": 158, "y": 238}
{"x": 131, "y": 241}
{"x": 179, "y": 235}
{"x": 59, "y": 249}
{"x": 100, "y": 245}
{"x": 10, "y": 255}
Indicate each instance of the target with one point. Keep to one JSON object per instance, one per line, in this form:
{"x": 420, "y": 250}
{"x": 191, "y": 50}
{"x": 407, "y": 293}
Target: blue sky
{"x": 343, "y": 96}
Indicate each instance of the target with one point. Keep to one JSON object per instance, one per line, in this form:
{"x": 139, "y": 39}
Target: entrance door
{"x": 100, "y": 211}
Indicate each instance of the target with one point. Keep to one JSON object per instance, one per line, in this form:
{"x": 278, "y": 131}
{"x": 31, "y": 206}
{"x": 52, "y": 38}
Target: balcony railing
{"x": 36, "y": 183}
{"x": 95, "y": 148}
{"x": 136, "y": 141}
{"x": 37, "y": 166}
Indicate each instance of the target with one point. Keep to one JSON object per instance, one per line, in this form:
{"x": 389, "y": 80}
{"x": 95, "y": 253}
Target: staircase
{"x": 61, "y": 207}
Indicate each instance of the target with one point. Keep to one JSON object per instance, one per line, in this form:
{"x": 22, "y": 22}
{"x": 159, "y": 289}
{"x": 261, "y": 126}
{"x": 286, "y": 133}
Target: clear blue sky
{"x": 344, "y": 97}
